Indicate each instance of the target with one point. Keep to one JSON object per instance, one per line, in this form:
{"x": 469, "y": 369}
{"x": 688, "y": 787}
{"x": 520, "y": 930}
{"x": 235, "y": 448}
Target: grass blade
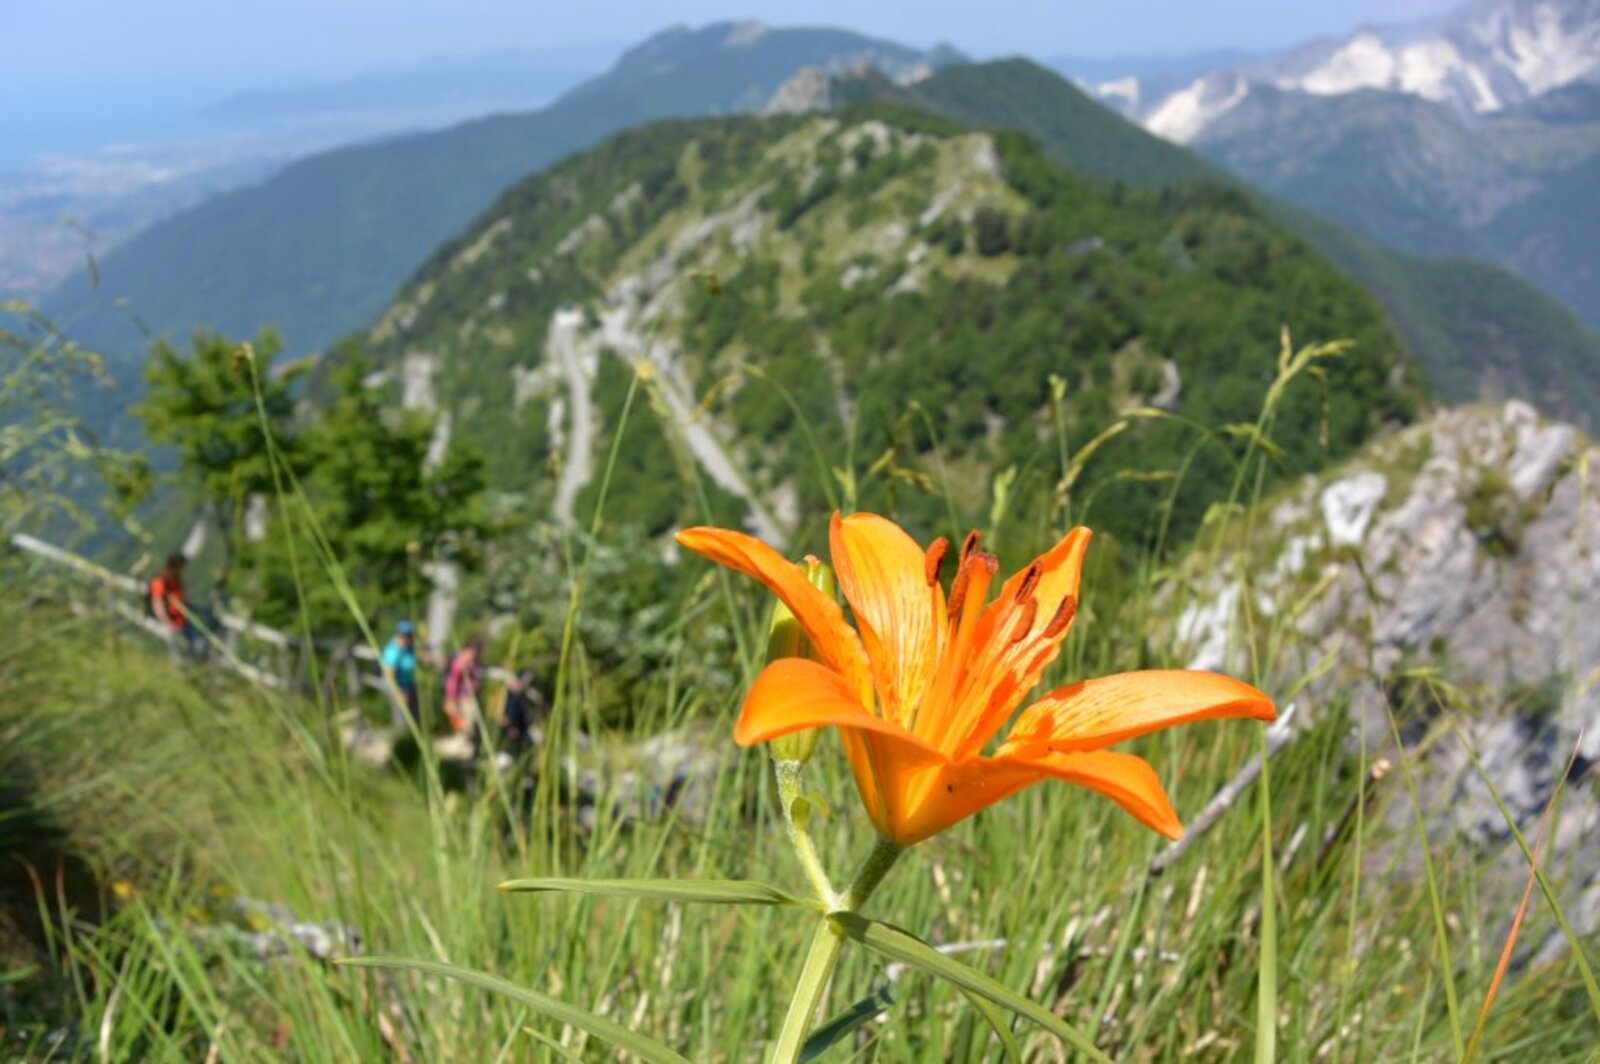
{"x": 1441, "y": 936}
{"x": 1516, "y": 928}
{"x": 908, "y": 949}
{"x": 1267, "y": 980}
{"x": 715, "y": 891}
{"x": 640, "y": 1046}
{"x": 1574, "y": 943}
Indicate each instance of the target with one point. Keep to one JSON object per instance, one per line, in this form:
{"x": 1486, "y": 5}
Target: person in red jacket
{"x": 165, "y": 602}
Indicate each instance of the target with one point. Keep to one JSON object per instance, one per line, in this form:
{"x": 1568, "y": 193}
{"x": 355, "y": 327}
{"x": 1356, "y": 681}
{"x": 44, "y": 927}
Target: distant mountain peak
{"x": 1485, "y": 58}
{"x": 744, "y": 34}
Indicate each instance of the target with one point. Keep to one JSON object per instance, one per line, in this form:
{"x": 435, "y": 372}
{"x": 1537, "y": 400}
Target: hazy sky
{"x": 245, "y": 43}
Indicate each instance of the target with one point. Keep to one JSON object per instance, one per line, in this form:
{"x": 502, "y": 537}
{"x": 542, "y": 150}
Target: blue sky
{"x": 236, "y": 44}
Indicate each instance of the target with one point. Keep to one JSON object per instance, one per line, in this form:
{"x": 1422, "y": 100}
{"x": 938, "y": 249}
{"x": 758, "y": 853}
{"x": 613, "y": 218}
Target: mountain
{"x": 1512, "y": 188}
{"x": 1491, "y": 56}
{"x": 794, "y": 290}
{"x": 1021, "y": 95}
{"x": 1478, "y": 332}
{"x": 1477, "y": 135}
{"x": 321, "y": 246}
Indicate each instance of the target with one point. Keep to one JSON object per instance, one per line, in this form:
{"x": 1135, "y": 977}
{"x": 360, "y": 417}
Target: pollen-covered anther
{"x": 1030, "y": 580}
{"x": 958, "y": 589}
{"x": 970, "y": 559}
{"x": 1063, "y": 617}
{"x": 934, "y": 562}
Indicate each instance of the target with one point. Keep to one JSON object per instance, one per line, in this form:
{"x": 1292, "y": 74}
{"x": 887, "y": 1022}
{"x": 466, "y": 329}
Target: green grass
{"x": 1289, "y": 931}
{"x": 186, "y": 792}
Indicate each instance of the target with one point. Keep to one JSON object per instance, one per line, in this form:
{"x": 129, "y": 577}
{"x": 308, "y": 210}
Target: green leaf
{"x": 552, "y": 1045}
{"x": 998, "y": 1024}
{"x": 716, "y": 891}
{"x": 800, "y": 811}
{"x": 900, "y": 945}
{"x": 847, "y": 1022}
{"x": 646, "y": 1049}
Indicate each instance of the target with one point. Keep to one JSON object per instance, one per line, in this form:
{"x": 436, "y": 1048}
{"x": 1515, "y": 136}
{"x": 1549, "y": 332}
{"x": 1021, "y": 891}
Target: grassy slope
{"x": 1476, "y": 329}
{"x": 196, "y": 791}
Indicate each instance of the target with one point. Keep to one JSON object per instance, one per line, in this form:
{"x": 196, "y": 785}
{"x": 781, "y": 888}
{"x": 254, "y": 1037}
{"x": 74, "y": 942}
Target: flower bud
{"x": 786, "y": 639}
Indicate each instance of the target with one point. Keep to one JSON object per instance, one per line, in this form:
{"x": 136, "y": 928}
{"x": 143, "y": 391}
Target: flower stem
{"x": 788, "y": 774}
{"x": 826, "y": 943}
{"x": 876, "y": 866}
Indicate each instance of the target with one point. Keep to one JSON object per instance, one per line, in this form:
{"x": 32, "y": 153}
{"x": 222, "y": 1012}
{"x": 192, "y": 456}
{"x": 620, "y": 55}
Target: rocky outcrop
{"x": 811, "y": 89}
{"x": 1452, "y": 573}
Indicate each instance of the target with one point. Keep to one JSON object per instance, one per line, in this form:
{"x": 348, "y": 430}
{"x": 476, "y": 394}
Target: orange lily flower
{"x": 923, "y": 682}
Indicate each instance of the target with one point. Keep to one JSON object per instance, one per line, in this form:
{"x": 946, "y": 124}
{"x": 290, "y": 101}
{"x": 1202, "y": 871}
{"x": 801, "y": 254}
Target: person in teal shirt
{"x": 400, "y": 669}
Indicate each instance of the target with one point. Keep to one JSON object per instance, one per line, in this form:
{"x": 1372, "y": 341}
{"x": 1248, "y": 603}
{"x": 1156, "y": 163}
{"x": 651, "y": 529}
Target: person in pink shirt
{"x": 463, "y": 688}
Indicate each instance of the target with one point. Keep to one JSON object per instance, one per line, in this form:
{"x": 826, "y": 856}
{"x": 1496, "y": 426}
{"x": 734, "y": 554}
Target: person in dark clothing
{"x": 524, "y": 711}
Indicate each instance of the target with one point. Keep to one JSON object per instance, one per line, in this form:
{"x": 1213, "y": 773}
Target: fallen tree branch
{"x": 1278, "y": 737}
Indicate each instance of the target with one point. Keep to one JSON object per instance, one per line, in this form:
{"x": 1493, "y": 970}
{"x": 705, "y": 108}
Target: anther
{"x": 1030, "y": 580}
{"x": 934, "y": 562}
{"x": 970, "y": 544}
{"x": 1063, "y": 617}
{"x": 958, "y": 589}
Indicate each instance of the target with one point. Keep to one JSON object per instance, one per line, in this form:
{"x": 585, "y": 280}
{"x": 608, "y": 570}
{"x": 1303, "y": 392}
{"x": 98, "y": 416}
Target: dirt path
{"x": 577, "y": 466}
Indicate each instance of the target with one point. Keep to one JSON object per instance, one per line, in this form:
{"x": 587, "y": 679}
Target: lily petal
{"x": 884, "y": 577}
{"x": 1097, "y": 713}
{"x": 793, "y": 694}
{"x": 1125, "y": 779}
{"x": 817, "y": 613}
{"x": 966, "y": 787}
{"x": 1017, "y": 642}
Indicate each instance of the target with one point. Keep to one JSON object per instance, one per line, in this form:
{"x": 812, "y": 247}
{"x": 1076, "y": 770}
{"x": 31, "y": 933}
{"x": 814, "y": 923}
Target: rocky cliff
{"x": 1450, "y": 574}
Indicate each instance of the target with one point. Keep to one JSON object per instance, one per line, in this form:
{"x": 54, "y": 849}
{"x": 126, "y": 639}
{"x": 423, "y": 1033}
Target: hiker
{"x": 524, "y": 710}
{"x": 463, "y": 689}
{"x": 164, "y": 603}
{"x": 400, "y": 670}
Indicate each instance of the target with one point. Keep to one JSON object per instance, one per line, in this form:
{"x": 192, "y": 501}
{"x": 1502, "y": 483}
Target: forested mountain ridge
{"x": 876, "y": 302}
{"x": 319, "y": 248}
{"x": 1478, "y": 331}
